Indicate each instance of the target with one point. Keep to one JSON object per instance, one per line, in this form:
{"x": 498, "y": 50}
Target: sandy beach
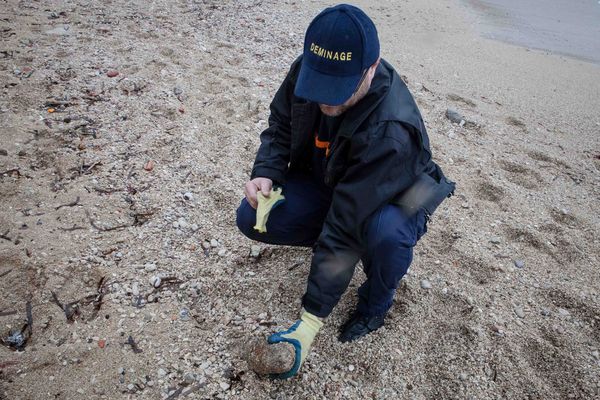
{"x": 127, "y": 132}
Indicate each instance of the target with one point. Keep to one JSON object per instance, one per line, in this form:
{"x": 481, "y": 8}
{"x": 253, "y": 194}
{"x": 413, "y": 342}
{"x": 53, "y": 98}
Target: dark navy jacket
{"x": 380, "y": 155}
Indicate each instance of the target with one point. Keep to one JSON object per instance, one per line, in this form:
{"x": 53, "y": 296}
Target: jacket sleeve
{"x": 273, "y": 155}
{"x": 379, "y": 168}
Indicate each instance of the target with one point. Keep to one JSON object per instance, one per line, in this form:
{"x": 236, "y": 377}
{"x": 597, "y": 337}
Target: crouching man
{"x": 347, "y": 146}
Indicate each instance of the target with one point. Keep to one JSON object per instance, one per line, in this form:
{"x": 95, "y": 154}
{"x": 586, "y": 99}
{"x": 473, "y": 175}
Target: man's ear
{"x": 376, "y": 63}
{"x": 373, "y": 67}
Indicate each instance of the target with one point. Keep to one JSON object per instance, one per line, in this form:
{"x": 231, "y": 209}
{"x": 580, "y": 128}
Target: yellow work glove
{"x": 301, "y": 336}
{"x": 265, "y": 205}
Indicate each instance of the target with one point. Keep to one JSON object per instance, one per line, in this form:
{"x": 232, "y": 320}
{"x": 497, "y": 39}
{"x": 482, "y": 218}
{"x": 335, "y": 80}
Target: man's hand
{"x": 252, "y": 188}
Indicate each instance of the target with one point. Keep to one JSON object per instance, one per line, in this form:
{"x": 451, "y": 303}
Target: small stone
{"x": 519, "y": 312}
{"x": 194, "y": 227}
{"x": 224, "y": 385}
{"x": 495, "y": 240}
{"x": 189, "y": 196}
{"x": 465, "y": 205}
{"x": 121, "y": 371}
{"x": 184, "y": 314}
{"x": 454, "y": 116}
{"x": 112, "y": 73}
{"x": 177, "y": 91}
{"x": 189, "y": 378}
{"x": 596, "y": 354}
{"x": 3, "y": 152}
{"x": 425, "y": 284}
{"x": 563, "y": 312}
{"x": 254, "y": 251}
{"x": 149, "y": 166}
{"x": 222, "y": 253}
{"x": 462, "y": 377}
{"x": 350, "y": 367}
{"x": 183, "y": 224}
{"x": 130, "y": 387}
{"x": 206, "y": 245}
{"x": 155, "y": 281}
{"x": 63, "y": 30}
{"x": 161, "y": 373}
{"x": 214, "y": 243}
{"x": 150, "y": 383}
{"x": 150, "y": 267}
{"x": 519, "y": 263}
{"x": 545, "y": 312}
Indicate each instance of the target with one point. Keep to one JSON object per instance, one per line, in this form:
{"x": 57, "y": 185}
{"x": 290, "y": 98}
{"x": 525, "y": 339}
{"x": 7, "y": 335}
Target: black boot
{"x": 358, "y": 326}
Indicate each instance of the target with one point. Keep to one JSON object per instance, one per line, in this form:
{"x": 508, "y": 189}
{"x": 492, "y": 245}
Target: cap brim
{"x": 321, "y": 88}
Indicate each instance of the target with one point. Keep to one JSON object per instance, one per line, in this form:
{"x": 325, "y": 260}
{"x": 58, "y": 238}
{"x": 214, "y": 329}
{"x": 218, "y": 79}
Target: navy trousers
{"x": 390, "y": 235}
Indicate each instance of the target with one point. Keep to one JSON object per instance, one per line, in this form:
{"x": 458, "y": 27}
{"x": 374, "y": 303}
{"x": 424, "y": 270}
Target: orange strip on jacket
{"x": 322, "y": 145}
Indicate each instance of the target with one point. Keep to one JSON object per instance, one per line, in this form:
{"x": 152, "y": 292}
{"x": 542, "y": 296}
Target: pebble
{"x": 150, "y": 267}
{"x": 189, "y": 377}
{"x": 206, "y": 245}
{"x": 545, "y": 312}
{"x": 519, "y": 263}
{"x": 189, "y": 196}
{"x": 121, "y": 371}
{"x": 214, "y": 243}
{"x": 112, "y": 73}
{"x": 350, "y": 367}
{"x": 222, "y": 252}
{"x": 182, "y": 223}
{"x": 254, "y": 251}
{"x": 63, "y": 30}
{"x": 454, "y": 116}
{"x": 3, "y": 152}
{"x": 224, "y": 385}
{"x": 155, "y": 281}
{"x": 596, "y": 354}
{"x": 462, "y": 377}
{"x": 425, "y": 284}
{"x": 130, "y": 386}
{"x": 495, "y": 240}
{"x": 563, "y": 312}
{"x": 161, "y": 373}
{"x": 519, "y": 311}
{"x": 177, "y": 91}
{"x": 184, "y": 314}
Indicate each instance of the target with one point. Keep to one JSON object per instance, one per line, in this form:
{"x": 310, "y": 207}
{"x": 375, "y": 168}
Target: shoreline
{"x": 563, "y": 28}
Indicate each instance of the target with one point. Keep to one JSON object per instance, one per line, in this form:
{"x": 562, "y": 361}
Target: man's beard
{"x": 336, "y": 111}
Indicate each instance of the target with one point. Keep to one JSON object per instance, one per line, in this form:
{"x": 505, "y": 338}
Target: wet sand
{"x": 568, "y": 27}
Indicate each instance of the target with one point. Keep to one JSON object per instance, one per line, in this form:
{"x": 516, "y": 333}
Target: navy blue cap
{"x": 340, "y": 44}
